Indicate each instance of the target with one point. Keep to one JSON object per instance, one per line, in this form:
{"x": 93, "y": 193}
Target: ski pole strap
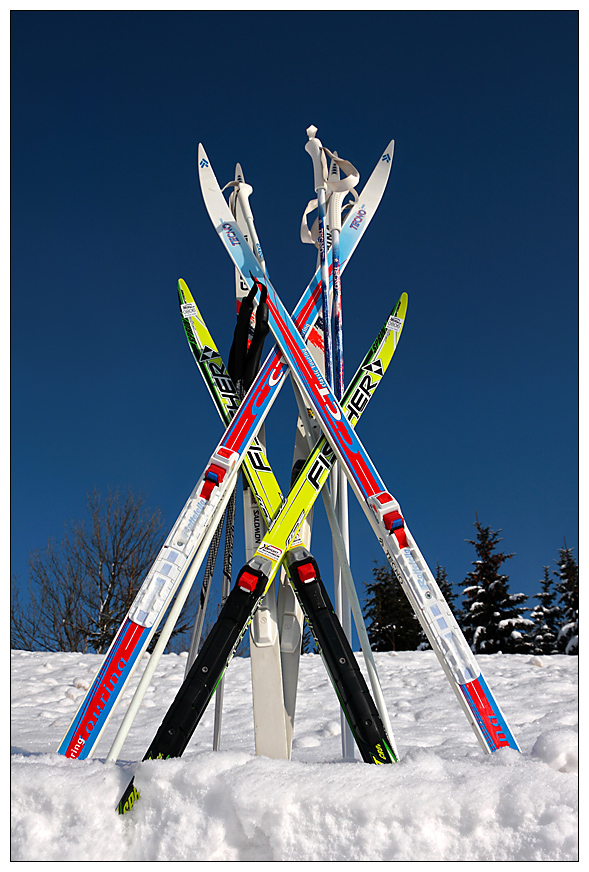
{"x": 309, "y": 235}
{"x": 238, "y": 352}
{"x": 261, "y": 330}
{"x": 352, "y": 177}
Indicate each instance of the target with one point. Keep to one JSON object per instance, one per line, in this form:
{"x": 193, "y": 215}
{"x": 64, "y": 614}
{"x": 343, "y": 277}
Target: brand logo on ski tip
{"x": 189, "y": 309}
{"x": 204, "y": 163}
{"x": 375, "y": 367}
{"x": 230, "y": 234}
{"x": 386, "y": 157}
{"x": 358, "y": 219}
{"x": 394, "y": 324}
{"x": 210, "y": 353}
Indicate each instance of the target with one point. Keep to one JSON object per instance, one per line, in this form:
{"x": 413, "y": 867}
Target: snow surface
{"x": 445, "y": 800}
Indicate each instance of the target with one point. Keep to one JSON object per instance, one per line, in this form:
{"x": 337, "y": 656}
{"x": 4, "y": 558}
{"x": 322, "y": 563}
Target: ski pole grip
{"x": 315, "y": 149}
{"x": 334, "y": 211}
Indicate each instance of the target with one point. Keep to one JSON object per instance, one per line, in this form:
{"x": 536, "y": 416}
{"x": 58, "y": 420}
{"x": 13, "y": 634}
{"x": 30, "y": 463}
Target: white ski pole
{"x": 226, "y": 587}
{"x": 314, "y": 148}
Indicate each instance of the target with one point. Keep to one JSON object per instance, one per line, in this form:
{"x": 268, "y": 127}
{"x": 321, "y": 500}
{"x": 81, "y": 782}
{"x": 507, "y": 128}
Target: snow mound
{"x": 559, "y": 749}
{"x": 444, "y": 801}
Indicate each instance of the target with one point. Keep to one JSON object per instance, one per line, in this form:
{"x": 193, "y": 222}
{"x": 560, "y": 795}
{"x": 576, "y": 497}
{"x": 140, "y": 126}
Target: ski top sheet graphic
{"x": 200, "y": 514}
{"x": 382, "y": 510}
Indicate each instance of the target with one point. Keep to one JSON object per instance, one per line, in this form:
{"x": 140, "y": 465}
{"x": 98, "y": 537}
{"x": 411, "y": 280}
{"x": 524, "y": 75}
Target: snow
{"x": 445, "y": 800}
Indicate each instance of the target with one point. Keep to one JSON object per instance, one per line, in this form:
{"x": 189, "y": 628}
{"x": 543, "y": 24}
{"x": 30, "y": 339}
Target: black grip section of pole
{"x": 190, "y": 703}
{"x": 354, "y": 696}
{"x": 238, "y": 352}
{"x": 254, "y": 355}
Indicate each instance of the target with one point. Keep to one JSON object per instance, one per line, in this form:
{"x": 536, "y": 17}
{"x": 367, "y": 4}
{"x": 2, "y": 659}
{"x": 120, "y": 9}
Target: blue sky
{"x": 479, "y": 410}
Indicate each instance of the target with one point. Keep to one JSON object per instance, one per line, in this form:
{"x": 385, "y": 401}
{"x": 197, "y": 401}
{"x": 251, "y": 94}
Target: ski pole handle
{"x": 315, "y": 149}
{"x": 241, "y": 194}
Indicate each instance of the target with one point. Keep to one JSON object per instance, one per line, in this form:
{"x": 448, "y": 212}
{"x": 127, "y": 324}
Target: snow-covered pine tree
{"x": 492, "y": 618}
{"x": 568, "y": 588}
{"x": 546, "y": 617}
{"x": 393, "y": 625}
{"x": 446, "y": 588}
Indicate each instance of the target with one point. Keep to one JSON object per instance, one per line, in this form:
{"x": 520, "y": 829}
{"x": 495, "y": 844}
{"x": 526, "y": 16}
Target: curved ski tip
{"x": 311, "y": 131}
{"x": 239, "y": 173}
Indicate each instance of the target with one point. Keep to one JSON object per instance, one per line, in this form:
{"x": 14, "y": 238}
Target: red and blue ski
{"x": 381, "y": 508}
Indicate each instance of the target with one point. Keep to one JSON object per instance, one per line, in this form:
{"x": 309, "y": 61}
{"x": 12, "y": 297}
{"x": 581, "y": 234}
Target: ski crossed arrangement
{"x": 281, "y": 580}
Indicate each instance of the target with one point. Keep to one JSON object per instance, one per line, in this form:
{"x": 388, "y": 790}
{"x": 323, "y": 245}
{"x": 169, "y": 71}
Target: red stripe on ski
{"x": 96, "y": 703}
{"x": 339, "y": 428}
{"x": 488, "y": 715}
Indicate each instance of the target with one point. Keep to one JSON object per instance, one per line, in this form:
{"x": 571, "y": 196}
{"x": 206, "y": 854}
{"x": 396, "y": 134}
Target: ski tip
{"x": 184, "y": 292}
{"x": 311, "y": 131}
{"x": 128, "y": 799}
{"x": 203, "y": 160}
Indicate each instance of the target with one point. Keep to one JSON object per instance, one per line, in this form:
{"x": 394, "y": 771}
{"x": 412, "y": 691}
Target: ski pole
{"x": 334, "y": 221}
{"x": 322, "y": 181}
{"x": 226, "y": 587}
{"x": 204, "y": 598}
{"x": 315, "y": 149}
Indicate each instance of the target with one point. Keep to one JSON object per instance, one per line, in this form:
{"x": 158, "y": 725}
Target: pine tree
{"x": 446, "y": 588}
{"x": 568, "y": 588}
{"x": 393, "y": 625}
{"x": 547, "y": 618}
{"x": 492, "y": 618}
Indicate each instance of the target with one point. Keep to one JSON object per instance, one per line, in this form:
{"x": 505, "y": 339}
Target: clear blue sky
{"x": 478, "y": 225}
